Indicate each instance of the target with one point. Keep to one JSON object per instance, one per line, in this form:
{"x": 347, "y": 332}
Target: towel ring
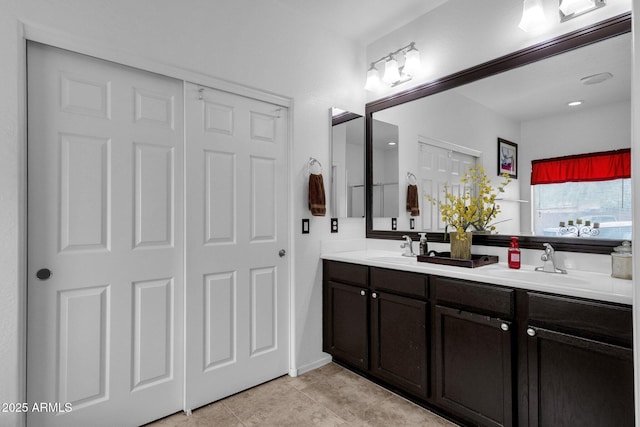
{"x": 412, "y": 178}
{"x": 314, "y": 166}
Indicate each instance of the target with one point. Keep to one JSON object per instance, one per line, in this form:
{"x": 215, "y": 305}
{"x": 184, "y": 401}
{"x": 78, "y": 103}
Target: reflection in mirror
{"x": 385, "y": 170}
{"x": 347, "y": 164}
{"x": 442, "y": 133}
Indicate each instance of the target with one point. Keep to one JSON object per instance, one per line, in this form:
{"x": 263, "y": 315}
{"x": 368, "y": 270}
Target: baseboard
{"x": 310, "y": 366}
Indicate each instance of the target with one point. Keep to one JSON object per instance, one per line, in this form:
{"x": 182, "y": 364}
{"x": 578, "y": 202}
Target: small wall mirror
{"x": 347, "y": 195}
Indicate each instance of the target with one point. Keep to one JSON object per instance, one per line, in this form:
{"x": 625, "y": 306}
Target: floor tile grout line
{"x": 224, "y": 404}
{"x": 325, "y": 407}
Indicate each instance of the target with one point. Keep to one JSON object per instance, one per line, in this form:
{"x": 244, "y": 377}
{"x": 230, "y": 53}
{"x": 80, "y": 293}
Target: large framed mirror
{"x": 466, "y": 116}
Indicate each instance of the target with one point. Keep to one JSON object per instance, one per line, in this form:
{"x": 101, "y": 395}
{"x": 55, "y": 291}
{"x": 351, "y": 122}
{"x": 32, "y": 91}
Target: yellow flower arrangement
{"x": 476, "y": 207}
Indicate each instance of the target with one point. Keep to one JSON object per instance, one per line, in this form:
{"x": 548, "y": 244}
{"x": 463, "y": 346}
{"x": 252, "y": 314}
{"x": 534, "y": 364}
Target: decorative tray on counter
{"x": 445, "y": 258}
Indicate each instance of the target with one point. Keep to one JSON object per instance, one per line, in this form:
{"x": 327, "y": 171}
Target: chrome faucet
{"x": 549, "y": 257}
{"x": 407, "y": 245}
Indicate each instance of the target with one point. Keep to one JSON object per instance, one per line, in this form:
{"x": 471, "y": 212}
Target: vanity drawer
{"x": 478, "y": 297}
{"x": 344, "y": 272}
{"x": 402, "y": 282}
{"x": 590, "y": 318}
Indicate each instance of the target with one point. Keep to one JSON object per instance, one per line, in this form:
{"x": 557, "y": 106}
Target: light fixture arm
{"x": 392, "y": 54}
{"x": 394, "y": 74}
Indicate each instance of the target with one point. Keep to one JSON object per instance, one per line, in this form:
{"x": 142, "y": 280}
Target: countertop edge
{"x": 600, "y": 287}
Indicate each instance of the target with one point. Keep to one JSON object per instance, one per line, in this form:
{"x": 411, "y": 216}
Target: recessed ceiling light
{"x": 596, "y": 78}
{"x": 574, "y": 103}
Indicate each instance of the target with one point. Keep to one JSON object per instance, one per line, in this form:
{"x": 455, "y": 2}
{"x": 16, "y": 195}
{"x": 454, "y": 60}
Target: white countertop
{"x": 576, "y": 283}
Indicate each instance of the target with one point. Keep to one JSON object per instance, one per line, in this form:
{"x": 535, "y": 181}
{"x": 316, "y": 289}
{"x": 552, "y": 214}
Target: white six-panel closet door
{"x": 105, "y": 242}
{"x": 237, "y": 239}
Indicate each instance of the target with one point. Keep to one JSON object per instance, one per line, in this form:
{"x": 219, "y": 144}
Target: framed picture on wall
{"x": 507, "y": 158}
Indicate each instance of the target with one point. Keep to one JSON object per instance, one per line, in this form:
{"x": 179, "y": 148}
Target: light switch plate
{"x": 412, "y": 223}
{"x": 305, "y": 225}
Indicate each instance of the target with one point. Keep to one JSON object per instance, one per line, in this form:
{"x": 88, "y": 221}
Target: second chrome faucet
{"x": 549, "y": 259}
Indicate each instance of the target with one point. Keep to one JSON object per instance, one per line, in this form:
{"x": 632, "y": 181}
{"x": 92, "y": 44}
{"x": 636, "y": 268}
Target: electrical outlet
{"x": 334, "y": 225}
{"x": 394, "y": 223}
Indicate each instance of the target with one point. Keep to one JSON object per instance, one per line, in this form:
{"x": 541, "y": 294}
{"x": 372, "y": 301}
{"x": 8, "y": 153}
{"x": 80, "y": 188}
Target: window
{"x": 587, "y": 195}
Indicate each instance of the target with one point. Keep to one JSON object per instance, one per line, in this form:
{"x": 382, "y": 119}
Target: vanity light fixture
{"x": 575, "y": 103}
{"x": 569, "y": 9}
{"x": 533, "y": 19}
{"x": 394, "y": 74}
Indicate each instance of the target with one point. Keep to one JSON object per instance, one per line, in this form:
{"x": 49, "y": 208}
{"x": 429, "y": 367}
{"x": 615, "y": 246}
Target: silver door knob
{"x": 363, "y": 293}
{"x": 531, "y": 332}
{"x": 504, "y": 327}
{"x": 282, "y": 253}
{"x": 374, "y": 295}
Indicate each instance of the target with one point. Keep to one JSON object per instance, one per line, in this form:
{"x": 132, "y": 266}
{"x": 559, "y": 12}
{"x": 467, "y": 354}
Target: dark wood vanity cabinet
{"x": 483, "y": 354}
{"x": 379, "y": 327}
{"x": 474, "y": 342}
{"x": 400, "y": 329}
{"x": 580, "y": 362}
{"x": 345, "y": 312}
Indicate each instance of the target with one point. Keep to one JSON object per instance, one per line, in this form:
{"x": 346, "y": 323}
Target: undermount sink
{"x": 538, "y": 276}
{"x": 394, "y": 259}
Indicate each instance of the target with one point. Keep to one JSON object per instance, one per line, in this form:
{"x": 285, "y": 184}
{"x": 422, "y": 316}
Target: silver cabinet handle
{"x": 504, "y": 327}
{"x": 374, "y": 295}
{"x": 531, "y": 332}
{"x": 363, "y": 293}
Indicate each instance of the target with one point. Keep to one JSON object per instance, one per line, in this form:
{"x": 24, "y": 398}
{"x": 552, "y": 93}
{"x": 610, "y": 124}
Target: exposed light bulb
{"x": 533, "y": 18}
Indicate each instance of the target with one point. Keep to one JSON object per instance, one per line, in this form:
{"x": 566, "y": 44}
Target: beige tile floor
{"x": 328, "y": 396}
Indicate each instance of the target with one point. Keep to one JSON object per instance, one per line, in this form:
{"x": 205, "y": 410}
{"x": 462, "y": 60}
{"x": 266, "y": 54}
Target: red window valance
{"x": 600, "y": 166}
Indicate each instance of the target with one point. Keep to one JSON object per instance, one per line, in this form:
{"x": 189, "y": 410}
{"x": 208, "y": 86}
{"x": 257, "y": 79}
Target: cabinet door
{"x": 345, "y": 323}
{"x": 473, "y": 356}
{"x": 399, "y": 341}
{"x": 575, "y": 381}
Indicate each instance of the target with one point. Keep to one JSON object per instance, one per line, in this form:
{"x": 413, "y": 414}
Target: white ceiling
{"x": 544, "y": 88}
{"x": 362, "y": 20}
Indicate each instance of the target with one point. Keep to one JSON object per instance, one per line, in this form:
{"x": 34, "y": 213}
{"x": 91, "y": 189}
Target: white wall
{"x": 254, "y": 43}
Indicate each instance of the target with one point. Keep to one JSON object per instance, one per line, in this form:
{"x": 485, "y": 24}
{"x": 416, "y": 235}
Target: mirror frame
{"x": 603, "y": 30}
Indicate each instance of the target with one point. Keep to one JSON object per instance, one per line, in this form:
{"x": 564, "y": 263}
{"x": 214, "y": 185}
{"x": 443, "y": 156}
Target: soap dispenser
{"x": 424, "y": 246}
{"x": 514, "y": 253}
